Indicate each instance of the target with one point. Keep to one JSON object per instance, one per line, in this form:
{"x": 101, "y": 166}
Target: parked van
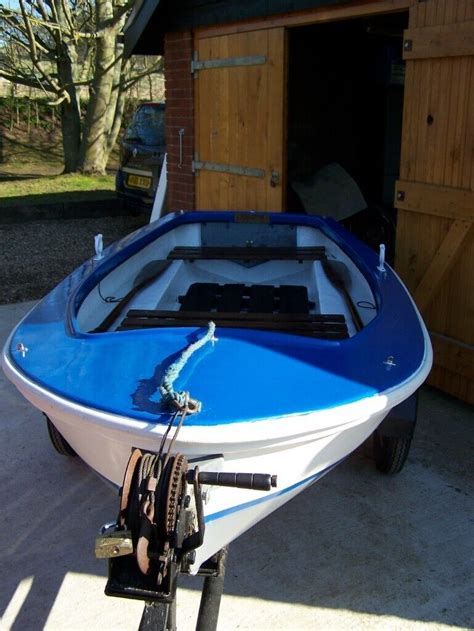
{"x": 141, "y": 156}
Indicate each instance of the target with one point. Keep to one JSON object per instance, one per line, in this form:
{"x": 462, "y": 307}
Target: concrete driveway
{"x": 357, "y": 550}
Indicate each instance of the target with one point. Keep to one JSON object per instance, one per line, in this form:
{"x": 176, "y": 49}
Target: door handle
{"x": 274, "y": 179}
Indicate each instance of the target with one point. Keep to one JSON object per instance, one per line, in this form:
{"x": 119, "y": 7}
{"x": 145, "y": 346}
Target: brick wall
{"x": 179, "y": 90}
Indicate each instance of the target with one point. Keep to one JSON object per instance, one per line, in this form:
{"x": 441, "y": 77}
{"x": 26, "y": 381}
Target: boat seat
{"x": 325, "y": 326}
{"x": 248, "y": 253}
{"x": 201, "y": 296}
{"x": 285, "y": 308}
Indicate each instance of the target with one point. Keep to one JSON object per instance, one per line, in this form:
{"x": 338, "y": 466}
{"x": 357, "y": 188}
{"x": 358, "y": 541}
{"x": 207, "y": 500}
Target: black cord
{"x": 365, "y": 304}
{"x": 109, "y": 298}
{"x": 165, "y": 435}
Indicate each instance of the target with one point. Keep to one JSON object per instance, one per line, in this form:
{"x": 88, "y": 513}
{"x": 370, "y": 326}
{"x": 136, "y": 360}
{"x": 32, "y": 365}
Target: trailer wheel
{"x": 58, "y": 441}
{"x": 390, "y": 452}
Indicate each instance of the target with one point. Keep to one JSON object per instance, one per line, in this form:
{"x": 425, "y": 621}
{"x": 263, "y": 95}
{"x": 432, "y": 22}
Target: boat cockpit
{"x": 274, "y": 276}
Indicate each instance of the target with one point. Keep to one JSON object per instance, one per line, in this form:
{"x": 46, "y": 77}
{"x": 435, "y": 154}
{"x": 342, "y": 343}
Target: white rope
{"x": 182, "y": 400}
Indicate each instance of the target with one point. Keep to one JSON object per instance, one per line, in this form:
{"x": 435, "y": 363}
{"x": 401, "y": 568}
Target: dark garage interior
{"x": 345, "y": 105}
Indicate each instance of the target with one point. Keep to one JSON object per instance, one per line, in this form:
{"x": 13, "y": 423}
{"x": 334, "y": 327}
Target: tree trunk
{"x": 70, "y": 116}
{"x": 94, "y": 153}
{"x": 115, "y": 113}
{"x": 94, "y": 137}
{"x": 67, "y": 63}
{"x": 117, "y": 122}
{"x": 71, "y": 136}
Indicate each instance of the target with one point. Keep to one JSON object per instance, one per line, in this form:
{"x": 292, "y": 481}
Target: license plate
{"x": 138, "y": 181}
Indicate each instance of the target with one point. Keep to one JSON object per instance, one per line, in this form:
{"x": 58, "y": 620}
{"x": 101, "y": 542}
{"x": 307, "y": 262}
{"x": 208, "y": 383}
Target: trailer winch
{"x": 159, "y": 525}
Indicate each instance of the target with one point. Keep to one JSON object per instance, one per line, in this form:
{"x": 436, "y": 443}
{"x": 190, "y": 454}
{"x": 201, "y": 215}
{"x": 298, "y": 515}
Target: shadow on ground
{"x": 68, "y": 197}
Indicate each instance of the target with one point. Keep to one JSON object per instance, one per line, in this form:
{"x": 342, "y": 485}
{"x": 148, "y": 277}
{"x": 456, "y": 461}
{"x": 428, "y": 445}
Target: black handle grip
{"x": 252, "y": 481}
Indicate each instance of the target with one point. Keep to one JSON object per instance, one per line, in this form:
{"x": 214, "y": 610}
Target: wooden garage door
{"x": 240, "y": 103}
{"x": 435, "y": 198}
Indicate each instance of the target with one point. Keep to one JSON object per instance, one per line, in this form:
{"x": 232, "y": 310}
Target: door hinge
{"x": 227, "y": 168}
{"x": 229, "y": 62}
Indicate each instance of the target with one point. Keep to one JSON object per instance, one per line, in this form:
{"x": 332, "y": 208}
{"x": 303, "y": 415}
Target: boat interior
{"x": 285, "y": 278}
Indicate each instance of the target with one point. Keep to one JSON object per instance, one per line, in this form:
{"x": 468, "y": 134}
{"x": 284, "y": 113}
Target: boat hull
{"x": 298, "y": 460}
{"x": 274, "y": 402}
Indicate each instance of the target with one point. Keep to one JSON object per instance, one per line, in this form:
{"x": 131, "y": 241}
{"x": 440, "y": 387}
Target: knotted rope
{"x": 181, "y": 401}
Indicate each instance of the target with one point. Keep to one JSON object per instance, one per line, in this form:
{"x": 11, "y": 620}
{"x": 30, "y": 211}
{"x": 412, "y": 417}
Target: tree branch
{"x": 29, "y": 82}
{"x": 129, "y": 82}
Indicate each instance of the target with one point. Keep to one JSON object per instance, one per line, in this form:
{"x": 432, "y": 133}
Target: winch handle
{"x": 251, "y": 481}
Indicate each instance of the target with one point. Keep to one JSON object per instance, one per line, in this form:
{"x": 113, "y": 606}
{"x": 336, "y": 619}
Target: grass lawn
{"x": 31, "y": 160}
{"x": 58, "y": 188}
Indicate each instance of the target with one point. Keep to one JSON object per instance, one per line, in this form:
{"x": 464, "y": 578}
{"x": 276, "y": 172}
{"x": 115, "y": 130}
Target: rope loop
{"x": 181, "y": 401}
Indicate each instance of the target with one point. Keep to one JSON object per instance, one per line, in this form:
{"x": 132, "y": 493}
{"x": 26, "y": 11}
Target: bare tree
{"x": 64, "y": 47}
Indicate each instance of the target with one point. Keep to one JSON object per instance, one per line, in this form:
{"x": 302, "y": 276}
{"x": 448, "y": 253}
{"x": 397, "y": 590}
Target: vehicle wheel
{"x": 124, "y": 205}
{"x": 390, "y": 452}
{"x": 59, "y": 442}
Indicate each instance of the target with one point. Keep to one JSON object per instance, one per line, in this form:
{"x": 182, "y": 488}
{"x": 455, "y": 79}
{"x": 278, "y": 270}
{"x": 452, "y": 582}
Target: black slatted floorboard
{"x": 285, "y": 308}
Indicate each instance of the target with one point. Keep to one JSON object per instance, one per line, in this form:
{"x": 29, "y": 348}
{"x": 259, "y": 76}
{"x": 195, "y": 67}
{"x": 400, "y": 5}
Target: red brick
{"x": 181, "y": 93}
{"x": 175, "y": 105}
{"x": 174, "y": 159}
{"x": 181, "y": 67}
{"x": 177, "y": 192}
{"x": 186, "y": 105}
{"x": 178, "y": 74}
{"x": 184, "y": 174}
{"x": 181, "y": 57}
{"x": 173, "y": 48}
{"x": 185, "y": 101}
{"x": 178, "y": 114}
{"x": 179, "y": 89}
{"x": 178, "y": 124}
{"x": 175, "y": 126}
{"x": 174, "y": 148}
{"x": 180, "y": 84}
{"x": 184, "y": 203}
{"x": 177, "y": 36}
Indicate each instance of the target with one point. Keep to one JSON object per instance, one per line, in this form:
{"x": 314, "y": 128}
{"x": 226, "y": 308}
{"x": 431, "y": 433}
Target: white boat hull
{"x": 105, "y": 445}
{"x": 228, "y": 512}
{"x": 274, "y": 402}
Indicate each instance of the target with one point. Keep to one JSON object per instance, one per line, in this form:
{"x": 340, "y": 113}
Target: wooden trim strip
{"x": 441, "y": 263}
{"x": 335, "y": 331}
{"x": 442, "y": 201}
{"x": 450, "y": 40}
{"x": 453, "y": 355}
{"x": 308, "y": 17}
{"x": 248, "y": 253}
{"x": 233, "y": 315}
{"x": 154, "y": 323}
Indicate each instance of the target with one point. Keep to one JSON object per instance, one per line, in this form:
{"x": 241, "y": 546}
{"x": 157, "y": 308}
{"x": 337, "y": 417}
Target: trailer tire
{"x": 390, "y": 452}
{"x": 58, "y": 441}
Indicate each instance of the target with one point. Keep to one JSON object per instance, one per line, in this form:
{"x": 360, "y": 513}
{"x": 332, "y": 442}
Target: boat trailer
{"x": 159, "y": 526}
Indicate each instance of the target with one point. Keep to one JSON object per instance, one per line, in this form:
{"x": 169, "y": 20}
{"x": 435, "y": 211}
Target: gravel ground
{"x": 36, "y": 255}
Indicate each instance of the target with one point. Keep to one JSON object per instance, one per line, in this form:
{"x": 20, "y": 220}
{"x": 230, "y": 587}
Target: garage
{"x": 266, "y": 100}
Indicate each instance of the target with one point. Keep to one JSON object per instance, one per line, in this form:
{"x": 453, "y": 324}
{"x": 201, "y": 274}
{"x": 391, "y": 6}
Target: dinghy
{"x": 251, "y": 350}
